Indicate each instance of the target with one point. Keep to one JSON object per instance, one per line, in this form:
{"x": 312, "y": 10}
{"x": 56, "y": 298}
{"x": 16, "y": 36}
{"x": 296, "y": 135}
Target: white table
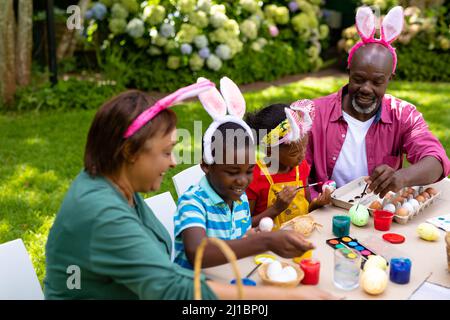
{"x": 429, "y": 259}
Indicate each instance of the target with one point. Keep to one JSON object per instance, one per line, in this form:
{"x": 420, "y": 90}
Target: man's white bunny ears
{"x": 217, "y": 104}
{"x": 390, "y": 29}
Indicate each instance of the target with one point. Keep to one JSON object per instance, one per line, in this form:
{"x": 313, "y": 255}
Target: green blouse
{"x": 101, "y": 248}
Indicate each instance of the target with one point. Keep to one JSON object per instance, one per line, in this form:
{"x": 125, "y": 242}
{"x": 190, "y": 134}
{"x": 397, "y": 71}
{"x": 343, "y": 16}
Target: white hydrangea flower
{"x": 201, "y": 41}
{"x": 214, "y": 62}
{"x": 223, "y": 52}
{"x": 135, "y": 28}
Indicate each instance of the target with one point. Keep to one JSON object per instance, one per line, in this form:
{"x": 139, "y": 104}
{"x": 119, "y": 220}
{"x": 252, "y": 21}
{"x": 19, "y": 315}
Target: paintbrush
{"x": 362, "y": 194}
{"x": 301, "y": 187}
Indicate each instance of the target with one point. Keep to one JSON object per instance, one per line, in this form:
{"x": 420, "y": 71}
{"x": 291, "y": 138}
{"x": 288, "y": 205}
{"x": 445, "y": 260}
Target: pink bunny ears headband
{"x": 390, "y": 29}
{"x": 298, "y": 122}
{"x": 217, "y": 104}
{"x": 166, "y": 102}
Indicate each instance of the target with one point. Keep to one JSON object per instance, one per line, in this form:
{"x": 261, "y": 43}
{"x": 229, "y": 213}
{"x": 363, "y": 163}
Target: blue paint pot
{"x": 245, "y": 282}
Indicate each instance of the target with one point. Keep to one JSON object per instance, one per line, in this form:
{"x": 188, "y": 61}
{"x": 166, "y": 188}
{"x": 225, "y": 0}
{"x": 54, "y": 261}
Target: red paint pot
{"x": 382, "y": 220}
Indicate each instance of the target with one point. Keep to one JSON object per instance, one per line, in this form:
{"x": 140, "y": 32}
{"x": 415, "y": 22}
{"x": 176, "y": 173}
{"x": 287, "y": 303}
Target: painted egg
{"x": 388, "y": 196}
{"x": 266, "y": 224}
{"x": 330, "y": 184}
{"x": 375, "y": 261}
{"x": 359, "y": 217}
{"x": 428, "y": 232}
{"x": 374, "y": 281}
{"x": 389, "y": 207}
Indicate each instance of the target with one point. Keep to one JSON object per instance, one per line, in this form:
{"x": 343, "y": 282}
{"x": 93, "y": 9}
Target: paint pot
{"x": 341, "y": 226}
{"x": 400, "y": 271}
{"x": 382, "y": 220}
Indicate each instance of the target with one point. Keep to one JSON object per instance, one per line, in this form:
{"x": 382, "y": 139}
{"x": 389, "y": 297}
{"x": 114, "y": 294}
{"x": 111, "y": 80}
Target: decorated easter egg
{"x": 389, "y": 207}
{"x": 330, "y": 184}
{"x": 428, "y": 232}
{"x": 359, "y": 217}
{"x": 375, "y": 261}
{"x": 374, "y": 281}
{"x": 266, "y": 224}
{"x": 273, "y": 269}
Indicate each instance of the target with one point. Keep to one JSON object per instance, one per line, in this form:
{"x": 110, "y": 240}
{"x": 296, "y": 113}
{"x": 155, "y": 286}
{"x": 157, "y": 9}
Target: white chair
{"x": 18, "y": 280}
{"x": 164, "y": 208}
{"x": 186, "y": 178}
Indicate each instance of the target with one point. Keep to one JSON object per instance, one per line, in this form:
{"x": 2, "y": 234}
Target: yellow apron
{"x": 298, "y": 207}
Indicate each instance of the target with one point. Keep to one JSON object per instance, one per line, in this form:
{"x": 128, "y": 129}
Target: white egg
{"x": 287, "y": 274}
{"x": 274, "y": 269}
{"x": 290, "y": 273}
{"x": 415, "y": 204}
{"x": 389, "y": 207}
{"x": 409, "y": 207}
{"x": 266, "y": 224}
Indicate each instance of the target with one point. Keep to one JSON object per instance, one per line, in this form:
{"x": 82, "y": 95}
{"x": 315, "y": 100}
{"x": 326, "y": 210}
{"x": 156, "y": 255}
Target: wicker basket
{"x": 263, "y": 274}
{"x": 229, "y": 254}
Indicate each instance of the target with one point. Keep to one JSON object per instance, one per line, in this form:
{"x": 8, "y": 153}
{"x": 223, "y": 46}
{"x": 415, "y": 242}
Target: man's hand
{"x": 385, "y": 179}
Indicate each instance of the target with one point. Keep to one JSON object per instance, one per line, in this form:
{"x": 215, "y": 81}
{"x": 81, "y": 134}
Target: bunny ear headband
{"x": 217, "y": 104}
{"x": 391, "y": 27}
{"x": 296, "y": 125}
{"x": 166, "y": 102}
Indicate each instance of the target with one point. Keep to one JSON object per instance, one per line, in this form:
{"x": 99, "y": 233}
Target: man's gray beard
{"x": 364, "y": 110}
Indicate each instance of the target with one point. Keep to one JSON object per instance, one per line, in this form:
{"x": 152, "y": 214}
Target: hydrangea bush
{"x": 196, "y": 35}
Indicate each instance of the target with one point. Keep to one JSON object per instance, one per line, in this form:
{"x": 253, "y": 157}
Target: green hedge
{"x": 277, "y": 60}
{"x": 417, "y": 63}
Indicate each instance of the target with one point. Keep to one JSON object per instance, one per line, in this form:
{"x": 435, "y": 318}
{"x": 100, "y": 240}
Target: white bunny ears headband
{"x": 390, "y": 29}
{"x": 298, "y": 122}
{"x": 217, "y": 104}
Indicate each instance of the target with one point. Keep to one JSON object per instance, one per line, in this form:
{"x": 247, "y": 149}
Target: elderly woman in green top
{"x": 104, "y": 232}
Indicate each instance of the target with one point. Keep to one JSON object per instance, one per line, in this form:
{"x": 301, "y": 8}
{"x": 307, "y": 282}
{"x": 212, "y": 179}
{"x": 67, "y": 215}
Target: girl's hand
{"x": 284, "y": 198}
{"x": 321, "y": 200}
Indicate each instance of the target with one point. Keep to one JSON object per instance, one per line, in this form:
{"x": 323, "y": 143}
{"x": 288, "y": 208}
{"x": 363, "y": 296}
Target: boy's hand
{"x": 284, "y": 198}
{"x": 288, "y": 243}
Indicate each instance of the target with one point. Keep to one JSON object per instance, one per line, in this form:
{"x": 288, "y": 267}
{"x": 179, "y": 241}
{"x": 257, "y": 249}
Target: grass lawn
{"x": 41, "y": 153}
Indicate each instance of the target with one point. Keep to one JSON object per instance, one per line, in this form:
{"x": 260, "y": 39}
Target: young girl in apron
{"x": 281, "y": 172}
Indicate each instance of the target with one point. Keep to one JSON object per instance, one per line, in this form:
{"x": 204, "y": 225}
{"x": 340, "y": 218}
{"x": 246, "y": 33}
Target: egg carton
{"x": 420, "y": 210}
{"x": 350, "y": 194}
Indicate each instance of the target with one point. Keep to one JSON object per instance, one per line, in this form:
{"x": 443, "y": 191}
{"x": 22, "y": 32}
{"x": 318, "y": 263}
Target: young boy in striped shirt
{"x": 218, "y": 207}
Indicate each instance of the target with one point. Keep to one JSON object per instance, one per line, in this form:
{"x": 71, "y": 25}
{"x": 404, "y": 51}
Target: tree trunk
{"x": 68, "y": 42}
{"x": 7, "y": 51}
{"x": 24, "y": 42}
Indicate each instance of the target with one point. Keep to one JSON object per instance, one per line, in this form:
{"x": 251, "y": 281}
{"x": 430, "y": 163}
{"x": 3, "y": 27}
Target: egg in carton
{"x": 409, "y": 202}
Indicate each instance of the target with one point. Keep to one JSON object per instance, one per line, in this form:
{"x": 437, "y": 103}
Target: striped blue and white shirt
{"x": 200, "y": 206}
